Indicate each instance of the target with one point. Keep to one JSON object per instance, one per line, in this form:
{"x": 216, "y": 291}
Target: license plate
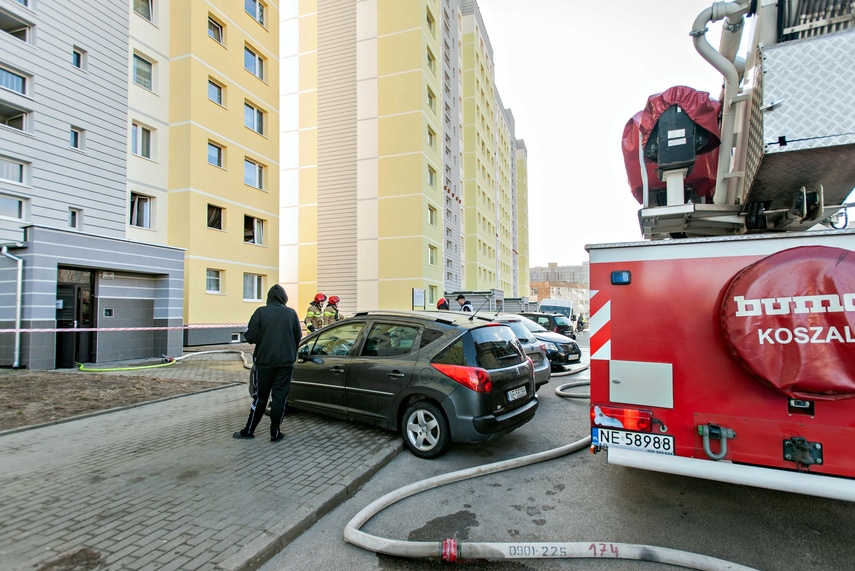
{"x": 516, "y": 393}
{"x": 656, "y": 443}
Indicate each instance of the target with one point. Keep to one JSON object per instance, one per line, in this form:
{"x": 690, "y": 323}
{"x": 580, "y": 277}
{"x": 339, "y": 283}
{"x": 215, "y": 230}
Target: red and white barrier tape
{"x": 242, "y": 327}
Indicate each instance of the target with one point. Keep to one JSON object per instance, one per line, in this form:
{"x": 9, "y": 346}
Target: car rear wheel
{"x": 425, "y": 429}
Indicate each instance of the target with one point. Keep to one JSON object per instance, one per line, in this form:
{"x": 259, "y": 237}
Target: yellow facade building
{"x": 523, "y": 270}
{"x": 381, "y": 188}
{"x": 204, "y": 157}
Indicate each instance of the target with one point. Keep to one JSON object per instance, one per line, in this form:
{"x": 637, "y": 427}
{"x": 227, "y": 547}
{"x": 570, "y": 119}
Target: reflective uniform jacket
{"x": 331, "y": 314}
{"x": 314, "y": 317}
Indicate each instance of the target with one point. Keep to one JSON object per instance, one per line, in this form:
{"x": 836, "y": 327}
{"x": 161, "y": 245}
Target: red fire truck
{"x": 723, "y": 346}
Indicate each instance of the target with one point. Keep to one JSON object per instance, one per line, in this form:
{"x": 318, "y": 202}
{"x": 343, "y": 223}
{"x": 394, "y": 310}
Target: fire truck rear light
{"x": 634, "y": 419}
{"x": 623, "y": 277}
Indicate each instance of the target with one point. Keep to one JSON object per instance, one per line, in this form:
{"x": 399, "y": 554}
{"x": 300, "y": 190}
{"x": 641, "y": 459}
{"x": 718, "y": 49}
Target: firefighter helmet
{"x": 333, "y": 300}
{"x": 319, "y": 297}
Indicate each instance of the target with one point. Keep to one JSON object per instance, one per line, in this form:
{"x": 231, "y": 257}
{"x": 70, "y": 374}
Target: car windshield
{"x": 496, "y": 347}
{"x": 562, "y": 321}
{"x": 531, "y": 325}
{"x": 556, "y": 309}
{"x": 520, "y": 330}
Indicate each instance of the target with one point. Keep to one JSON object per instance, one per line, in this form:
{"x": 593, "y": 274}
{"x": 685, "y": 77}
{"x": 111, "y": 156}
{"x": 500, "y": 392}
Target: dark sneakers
{"x": 279, "y": 436}
{"x": 242, "y": 434}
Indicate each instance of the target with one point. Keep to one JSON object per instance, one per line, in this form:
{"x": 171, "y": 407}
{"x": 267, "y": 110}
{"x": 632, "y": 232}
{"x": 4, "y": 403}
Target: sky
{"x": 573, "y": 73}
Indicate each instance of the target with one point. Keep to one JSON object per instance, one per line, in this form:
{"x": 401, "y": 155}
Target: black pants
{"x": 267, "y": 380}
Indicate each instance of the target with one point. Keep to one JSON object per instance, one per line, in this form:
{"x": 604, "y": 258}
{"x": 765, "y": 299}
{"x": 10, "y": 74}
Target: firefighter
{"x": 315, "y": 314}
{"x": 442, "y": 303}
{"x": 331, "y": 314}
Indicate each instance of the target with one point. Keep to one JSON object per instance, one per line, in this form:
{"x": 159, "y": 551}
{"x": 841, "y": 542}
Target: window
{"x": 11, "y": 207}
{"x": 215, "y": 30}
{"x": 215, "y": 155}
{"x": 213, "y": 281}
{"x": 253, "y": 285}
{"x": 335, "y": 340}
{"x": 14, "y": 27}
{"x": 12, "y": 171}
{"x": 431, "y": 176}
{"x": 431, "y": 23}
{"x": 255, "y": 9}
{"x": 253, "y": 63}
{"x": 78, "y": 58}
{"x": 13, "y": 81}
{"x": 13, "y": 117}
{"x": 141, "y": 210}
{"x": 253, "y": 174}
{"x": 433, "y": 295}
{"x": 431, "y": 99}
{"x": 142, "y": 72}
{"x": 431, "y": 138}
{"x": 143, "y": 8}
{"x": 215, "y": 92}
{"x": 75, "y": 218}
{"x": 431, "y": 215}
{"x": 431, "y": 61}
{"x": 24, "y": 2}
{"x": 253, "y": 118}
{"x": 140, "y": 141}
{"x": 253, "y": 230}
{"x": 76, "y": 138}
{"x": 215, "y": 217}
{"x": 432, "y": 255}
{"x": 388, "y": 340}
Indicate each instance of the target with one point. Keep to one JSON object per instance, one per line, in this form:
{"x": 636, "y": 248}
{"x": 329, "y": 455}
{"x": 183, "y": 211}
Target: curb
{"x": 260, "y": 550}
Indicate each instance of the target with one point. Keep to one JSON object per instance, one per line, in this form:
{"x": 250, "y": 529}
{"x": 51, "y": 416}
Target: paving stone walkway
{"x": 165, "y": 486}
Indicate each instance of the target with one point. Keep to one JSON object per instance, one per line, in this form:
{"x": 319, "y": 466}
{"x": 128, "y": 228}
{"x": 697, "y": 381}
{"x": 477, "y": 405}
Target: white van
{"x": 565, "y": 307}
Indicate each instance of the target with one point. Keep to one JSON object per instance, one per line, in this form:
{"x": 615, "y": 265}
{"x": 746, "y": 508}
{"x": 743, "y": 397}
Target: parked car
{"x": 555, "y": 322}
{"x": 560, "y": 349}
{"x": 436, "y": 377}
{"x": 532, "y": 346}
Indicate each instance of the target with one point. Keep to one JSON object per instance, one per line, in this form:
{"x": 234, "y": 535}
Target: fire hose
{"x": 450, "y": 550}
{"x": 167, "y": 362}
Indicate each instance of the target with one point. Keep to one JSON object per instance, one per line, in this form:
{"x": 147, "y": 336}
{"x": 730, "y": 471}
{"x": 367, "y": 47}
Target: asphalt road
{"x": 579, "y": 498}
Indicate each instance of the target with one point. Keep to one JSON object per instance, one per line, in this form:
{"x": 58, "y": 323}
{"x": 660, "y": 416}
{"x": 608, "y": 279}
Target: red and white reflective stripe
{"x": 601, "y": 328}
{"x": 242, "y": 326}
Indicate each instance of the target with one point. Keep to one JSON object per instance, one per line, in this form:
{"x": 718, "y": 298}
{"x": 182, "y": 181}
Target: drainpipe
{"x": 734, "y": 12}
{"x": 18, "y": 297}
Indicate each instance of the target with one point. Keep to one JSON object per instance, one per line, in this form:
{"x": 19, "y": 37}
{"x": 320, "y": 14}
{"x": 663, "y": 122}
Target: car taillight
{"x": 473, "y": 378}
{"x": 531, "y": 366}
{"x": 638, "y": 420}
{"x": 557, "y": 330}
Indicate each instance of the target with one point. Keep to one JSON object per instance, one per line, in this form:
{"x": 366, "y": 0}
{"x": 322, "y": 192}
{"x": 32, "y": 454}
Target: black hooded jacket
{"x": 275, "y": 331}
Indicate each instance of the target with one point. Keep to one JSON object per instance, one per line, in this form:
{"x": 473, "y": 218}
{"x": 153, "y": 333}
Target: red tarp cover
{"x": 790, "y": 319}
{"x": 700, "y": 109}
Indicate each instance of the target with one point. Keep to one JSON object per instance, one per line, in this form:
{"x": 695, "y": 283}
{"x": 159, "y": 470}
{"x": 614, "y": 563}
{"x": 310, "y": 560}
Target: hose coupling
{"x": 449, "y": 550}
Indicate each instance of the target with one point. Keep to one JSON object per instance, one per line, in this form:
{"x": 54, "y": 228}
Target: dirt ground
{"x": 35, "y": 397}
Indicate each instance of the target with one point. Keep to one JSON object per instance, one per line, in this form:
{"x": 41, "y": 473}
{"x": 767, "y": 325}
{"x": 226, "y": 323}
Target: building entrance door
{"x": 74, "y": 303}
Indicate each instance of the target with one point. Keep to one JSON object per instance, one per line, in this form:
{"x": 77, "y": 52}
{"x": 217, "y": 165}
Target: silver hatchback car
{"x": 532, "y": 346}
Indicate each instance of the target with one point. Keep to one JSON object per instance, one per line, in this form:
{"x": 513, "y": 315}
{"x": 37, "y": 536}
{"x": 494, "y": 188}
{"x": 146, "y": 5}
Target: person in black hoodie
{"x": 275, "y": 331}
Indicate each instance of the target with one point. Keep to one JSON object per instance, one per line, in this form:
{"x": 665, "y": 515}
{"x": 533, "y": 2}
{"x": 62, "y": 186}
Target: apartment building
{"x": 523, "y": 277}
{"x": 67, "y": 261}
{"x": 398, "y": 159}
{"x": 203, "y": 151}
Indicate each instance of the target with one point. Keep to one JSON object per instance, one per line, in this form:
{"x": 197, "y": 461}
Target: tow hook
{"x": 716, "y": 432}
{"x": 802, "y": 452}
